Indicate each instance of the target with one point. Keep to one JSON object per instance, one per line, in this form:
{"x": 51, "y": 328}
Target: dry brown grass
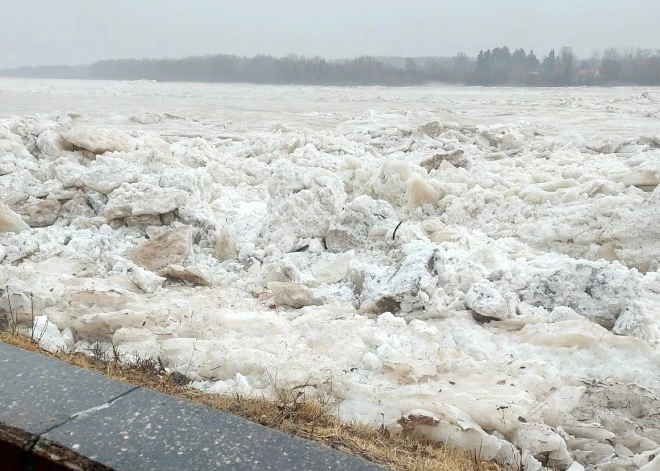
{"x": 292, "y": 414}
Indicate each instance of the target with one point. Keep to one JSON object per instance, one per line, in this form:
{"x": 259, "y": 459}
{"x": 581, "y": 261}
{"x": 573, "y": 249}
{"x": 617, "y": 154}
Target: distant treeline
{"x": 495, "y": 67}
{"x": 503, "y": 67}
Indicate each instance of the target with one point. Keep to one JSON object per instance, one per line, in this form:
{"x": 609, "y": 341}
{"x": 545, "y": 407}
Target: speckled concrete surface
{"x": 38, "y": 393}
{"x": 149, "y": 431}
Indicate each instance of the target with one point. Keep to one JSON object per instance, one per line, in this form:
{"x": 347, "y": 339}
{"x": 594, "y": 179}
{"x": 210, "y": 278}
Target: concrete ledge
{"x": 55, "y": 416}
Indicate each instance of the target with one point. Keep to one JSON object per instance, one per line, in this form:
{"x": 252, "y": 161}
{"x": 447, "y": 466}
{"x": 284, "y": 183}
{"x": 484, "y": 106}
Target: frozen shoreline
{"x": 518, "y": 301}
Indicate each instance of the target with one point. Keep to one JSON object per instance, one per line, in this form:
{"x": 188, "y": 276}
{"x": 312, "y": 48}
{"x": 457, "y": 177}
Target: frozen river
{"x": 480, "y": 265}
{"x": 587, "y": 110}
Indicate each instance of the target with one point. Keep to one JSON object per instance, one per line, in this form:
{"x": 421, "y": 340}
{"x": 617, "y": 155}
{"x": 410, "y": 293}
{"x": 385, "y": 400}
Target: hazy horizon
{"x": 47, "y": 32}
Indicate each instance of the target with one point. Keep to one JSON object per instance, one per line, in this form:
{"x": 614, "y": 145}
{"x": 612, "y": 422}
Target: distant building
{"x": 586, "y": 76}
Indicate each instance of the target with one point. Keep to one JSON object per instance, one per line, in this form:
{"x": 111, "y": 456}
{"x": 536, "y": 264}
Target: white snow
{"x": 480, "y": 265}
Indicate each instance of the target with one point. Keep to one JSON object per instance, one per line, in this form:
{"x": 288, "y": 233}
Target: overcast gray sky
{"x": 41, "y": 32}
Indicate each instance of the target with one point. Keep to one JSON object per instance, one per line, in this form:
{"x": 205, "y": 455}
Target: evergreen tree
{"x": 549, "y": 65}
{"x": 520, "y": 57}
{"x": 532, "y": 62}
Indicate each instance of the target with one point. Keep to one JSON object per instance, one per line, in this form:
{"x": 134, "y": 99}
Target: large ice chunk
{"x": 486, "y": 301}
{"x": 409, "y": 286}
{"x": 137, "y": 199}
{"x": 599, "y": 291}
{"x": 168, "y": 248}
{"x": 97, "y": 139}
{"x": 303, "y": 202}
{"x": 10, "y": 221}
{"x": 353, "y": 226}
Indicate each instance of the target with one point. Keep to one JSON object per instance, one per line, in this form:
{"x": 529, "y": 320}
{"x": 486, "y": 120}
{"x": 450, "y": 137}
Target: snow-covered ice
{"x": 479, "y": 265}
